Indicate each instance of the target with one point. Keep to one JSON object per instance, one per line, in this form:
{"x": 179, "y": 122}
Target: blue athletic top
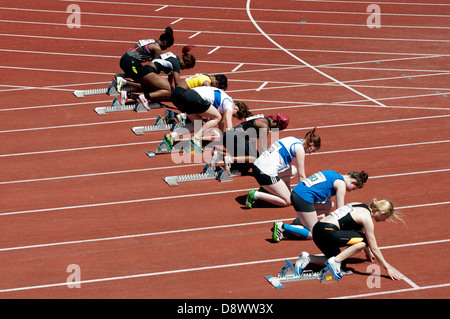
{"x": 318, "y": 187}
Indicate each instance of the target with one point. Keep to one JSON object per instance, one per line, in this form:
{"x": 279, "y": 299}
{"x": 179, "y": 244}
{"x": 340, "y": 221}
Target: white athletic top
{"x": 216, "y": 97}
{"x": 278, "y": 156}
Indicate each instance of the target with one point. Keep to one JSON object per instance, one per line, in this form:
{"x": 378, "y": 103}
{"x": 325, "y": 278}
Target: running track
{"x": 77, "y": 188}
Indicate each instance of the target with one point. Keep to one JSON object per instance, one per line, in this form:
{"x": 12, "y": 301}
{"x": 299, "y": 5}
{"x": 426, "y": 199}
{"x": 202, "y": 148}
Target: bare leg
{"x": 279, "y": 195}
{"x": 244, "y": 159}
{"x": 156, "y": 86}
{"x": 213, "y": 116}
{"x": 308, "y": 219}
{"x": 350, "y": 251}
{"x": 134, "y": 85}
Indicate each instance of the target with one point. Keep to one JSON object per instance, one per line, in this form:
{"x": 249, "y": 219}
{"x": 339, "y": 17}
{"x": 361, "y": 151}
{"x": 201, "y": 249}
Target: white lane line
{"x": 213, "y": 50}
{"x": 178, "y": 271}
{"x": 262, "y": 86}
{"x": 143, "y": 200}
{"x": 186, "y": 230}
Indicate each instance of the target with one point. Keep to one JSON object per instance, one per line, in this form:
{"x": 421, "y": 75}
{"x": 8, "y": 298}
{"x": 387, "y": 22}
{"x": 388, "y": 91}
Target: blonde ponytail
{"x": 386, "y": 207}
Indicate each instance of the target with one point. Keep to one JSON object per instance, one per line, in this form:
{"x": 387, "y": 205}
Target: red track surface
{"x": 77, "y": 188}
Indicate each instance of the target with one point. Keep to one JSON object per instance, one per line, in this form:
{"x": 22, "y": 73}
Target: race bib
{"x": 342, "y": 211}
{"x": 167, "y": 55}
{"x": 314, "y": 179}
{"x": 273, "y": 148}
{"x": 145, "y": 42}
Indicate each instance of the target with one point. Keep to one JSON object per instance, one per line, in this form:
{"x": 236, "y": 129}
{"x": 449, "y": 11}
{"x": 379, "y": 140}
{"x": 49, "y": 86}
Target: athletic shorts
{"x": 177, "y": 97}
{"x": 193, "y": 103}
{"x": 237, "y": 144}
{"x": 301, "y": 205}
{"x": 329, "y": 238}
{"x": 134, "y": 69}
{"x": 264, "y": 179}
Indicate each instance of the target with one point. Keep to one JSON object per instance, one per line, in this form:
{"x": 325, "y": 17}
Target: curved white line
{"x": 306, "y": 63}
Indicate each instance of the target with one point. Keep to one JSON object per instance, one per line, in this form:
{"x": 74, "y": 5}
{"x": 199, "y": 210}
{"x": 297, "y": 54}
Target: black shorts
{"x": 193, "y": 103}
{"x": 134, "y": 69}
{"x": 264, "y": 179}
{"x": 177, "y": 97}
{"x": 301, "y": 205}
{"x": 329, "y": 238}
{"x": 236, "y": 144}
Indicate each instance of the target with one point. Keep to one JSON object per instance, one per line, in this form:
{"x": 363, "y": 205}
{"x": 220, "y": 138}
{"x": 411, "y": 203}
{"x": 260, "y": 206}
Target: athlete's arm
{"x": 300, "y": 158}
{"x": 339, "y": 186}
{"x": 370, "y": 234}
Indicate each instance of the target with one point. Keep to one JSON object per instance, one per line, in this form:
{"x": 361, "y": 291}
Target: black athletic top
{"x": 167, "y": 63}
{"x": 249, "y": 123}
{"x": 346, "y": 222}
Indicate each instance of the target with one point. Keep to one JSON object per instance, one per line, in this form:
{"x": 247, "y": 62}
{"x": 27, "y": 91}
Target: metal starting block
{"x": 289, "y": 274}
{"x": 111, "y": 90}
{"x": 164, "y": 149}
{"x": 117, "y": 107}
{"x": 209, "y": 172}
{"x": 161, "y": 125}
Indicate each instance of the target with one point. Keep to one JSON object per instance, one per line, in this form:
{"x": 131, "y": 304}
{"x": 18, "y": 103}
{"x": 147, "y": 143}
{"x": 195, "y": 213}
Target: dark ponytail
{"x": 167, "y": 36}
{"x": 360, "y": 177}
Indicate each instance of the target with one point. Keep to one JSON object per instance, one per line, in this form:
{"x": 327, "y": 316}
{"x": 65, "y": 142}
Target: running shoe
{"x": 144, "y": 101}
{"x": 335, "y": 267}
{"x": 168, "y": 139}
{"x": 214, "y": 159}
{"x": 119, "y": 75}
{"x": 181, "y": 117}
{"x": 120, "y": 82}
{"x": 302, "y": 262}
{"x": 250, "y": 198}
{"x": 168, "y": 116}
{"x": 227, "y": 163}
{"x": 123, "y": 97}
{"x": 197, "y": 143}
{"x": 277, "y": 231}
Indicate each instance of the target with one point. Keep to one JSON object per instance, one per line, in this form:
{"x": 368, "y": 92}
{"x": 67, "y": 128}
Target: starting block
{"x": 111, "y": 90}
{"x": 161, "y": 124}
{"x": 164, "y": 149}
{"x": 289, "y": 274}
{"x": 180, "y": 147}
{"x": 117, "y": 107}
{"x": 209, "y": 173}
